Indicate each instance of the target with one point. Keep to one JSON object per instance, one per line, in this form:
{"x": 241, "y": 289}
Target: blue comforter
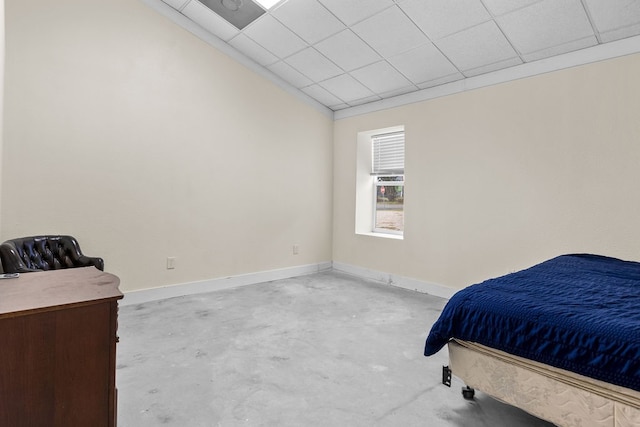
{"x": 580, "y": 313}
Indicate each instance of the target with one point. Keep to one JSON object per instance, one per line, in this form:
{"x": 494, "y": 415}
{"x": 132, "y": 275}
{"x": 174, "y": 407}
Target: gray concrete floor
{"x": 321, "y": 350}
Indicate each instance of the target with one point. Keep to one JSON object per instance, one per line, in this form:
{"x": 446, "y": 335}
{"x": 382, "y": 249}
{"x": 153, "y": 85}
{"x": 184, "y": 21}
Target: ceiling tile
{"x": 546, "y": 24}
{"x": 253, "y": 50}
{"x": 615, "y": 19}
{"x": 210, "y": 21}
{"x": 321, "y": 95}
{"x": 440, "y": 18}
{"x": 275, "y": 37}
{"x": 560, "y": 49}
{"x": 440, "y": 81}
{"x": 424, "y": 63}
{"x": 347, "y": 50}
{"x": 339, "y": 107}
{"x": 363, "y": 101}
{"x": 620, "y": 33}
{"x": 483, "y": 69}
{"x": 476, "y": 47}
{"x": 346, "y": 88}
{"x": 380, "y": 77}
{"x": 353, "y": 11}
{"x": 289, "y": 74}
{"x": 390, "y": 32}
{"x": 308, "y": 19}
{"x": 500, "y": 7}
{"x": 176, "y": 4}
{"x": 396, "y": 92}
{"x": 314, "y": 65}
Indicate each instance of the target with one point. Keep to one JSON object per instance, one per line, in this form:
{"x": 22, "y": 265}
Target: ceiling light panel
{"x": 209, "y": 20}
{"x": 309, "y": 19}
{"x": 238, "y": 13}
{"x": 268, "y": 4}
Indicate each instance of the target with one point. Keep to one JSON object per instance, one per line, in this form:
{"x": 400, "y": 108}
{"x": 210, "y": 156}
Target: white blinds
{"x": 388, "y": 154}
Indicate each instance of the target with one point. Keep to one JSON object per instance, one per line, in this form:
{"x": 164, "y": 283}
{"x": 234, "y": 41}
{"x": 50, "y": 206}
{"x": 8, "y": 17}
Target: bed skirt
{"x": 558, "y": 396}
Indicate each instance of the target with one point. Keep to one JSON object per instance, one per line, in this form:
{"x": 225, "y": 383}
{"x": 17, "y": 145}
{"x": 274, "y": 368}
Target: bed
{"x": 560, "y": 340}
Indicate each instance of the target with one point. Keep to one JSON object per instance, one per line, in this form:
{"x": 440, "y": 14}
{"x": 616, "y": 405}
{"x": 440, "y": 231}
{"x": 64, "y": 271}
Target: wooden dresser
{"x": 58, "y": 348}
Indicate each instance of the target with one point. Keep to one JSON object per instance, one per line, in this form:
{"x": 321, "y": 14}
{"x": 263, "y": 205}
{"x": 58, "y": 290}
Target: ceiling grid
{"x": 346, "y": 53}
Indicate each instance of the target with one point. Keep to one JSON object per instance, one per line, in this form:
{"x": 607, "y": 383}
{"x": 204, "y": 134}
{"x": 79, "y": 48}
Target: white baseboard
{"x": 395, "y": 280}
{"x": 182, "y": 289}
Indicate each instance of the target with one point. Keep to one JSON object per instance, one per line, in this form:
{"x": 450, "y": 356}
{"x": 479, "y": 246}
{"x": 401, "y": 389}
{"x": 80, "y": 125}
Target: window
{"x": 387, "y": 171}
{"x": 380, "y": 183}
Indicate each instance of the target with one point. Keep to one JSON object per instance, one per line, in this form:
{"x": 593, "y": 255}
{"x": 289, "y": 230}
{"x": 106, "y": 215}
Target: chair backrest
{"x": 41, "y": 253}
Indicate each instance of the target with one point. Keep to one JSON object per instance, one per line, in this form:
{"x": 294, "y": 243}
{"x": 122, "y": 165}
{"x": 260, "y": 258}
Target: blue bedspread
{"x": 580, "y": 313}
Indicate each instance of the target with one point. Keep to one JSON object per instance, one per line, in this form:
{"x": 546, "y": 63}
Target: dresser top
{"x": 56, "y": 289}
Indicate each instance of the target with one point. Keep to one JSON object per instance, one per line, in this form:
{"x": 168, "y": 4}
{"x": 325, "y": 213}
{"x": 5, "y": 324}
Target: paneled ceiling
{"x": 346, "y": 53}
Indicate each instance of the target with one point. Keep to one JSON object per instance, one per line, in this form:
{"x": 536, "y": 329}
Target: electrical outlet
{"x": 171, "y": 263}
{"x": 296, "y": 249}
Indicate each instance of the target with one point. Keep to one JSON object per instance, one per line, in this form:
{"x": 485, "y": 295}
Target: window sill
{"x": 383, "y": 235}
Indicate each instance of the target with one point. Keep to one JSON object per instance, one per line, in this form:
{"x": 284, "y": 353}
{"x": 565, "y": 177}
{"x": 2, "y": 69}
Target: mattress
{"x": 579, "y": 313}
{"x": 558, "y": 396}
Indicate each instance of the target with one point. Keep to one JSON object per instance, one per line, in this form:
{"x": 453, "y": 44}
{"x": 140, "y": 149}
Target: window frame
{"x": 365, "y": 188}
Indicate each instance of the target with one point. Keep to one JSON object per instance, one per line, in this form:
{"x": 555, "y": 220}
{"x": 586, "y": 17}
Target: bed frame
{"x": 555, "y": 395}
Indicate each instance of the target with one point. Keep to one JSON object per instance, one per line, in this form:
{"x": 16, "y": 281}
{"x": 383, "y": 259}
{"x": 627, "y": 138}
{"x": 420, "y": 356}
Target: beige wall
{"x": 506, "y": 176}
{"x": 144, "y": 142}
{"x": 1, "y": 93}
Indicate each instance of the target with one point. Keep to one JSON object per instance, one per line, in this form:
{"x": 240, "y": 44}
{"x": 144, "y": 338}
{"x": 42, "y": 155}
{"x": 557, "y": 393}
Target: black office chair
{"x": 39, "y": 253}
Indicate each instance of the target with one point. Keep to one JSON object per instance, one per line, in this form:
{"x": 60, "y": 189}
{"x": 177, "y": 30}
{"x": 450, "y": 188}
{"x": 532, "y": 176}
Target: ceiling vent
{"x": 239, "y": 13}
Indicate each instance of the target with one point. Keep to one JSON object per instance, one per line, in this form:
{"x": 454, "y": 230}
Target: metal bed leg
{"x": 468, "y": 392}
{"x": 446, "y": 376}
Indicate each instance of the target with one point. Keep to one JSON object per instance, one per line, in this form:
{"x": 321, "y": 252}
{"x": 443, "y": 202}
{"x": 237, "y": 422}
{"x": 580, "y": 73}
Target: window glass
{"x": 389, "y": 204}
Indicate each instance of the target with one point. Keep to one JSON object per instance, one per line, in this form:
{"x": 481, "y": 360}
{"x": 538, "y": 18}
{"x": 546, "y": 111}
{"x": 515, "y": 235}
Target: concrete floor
{"x": 321, "y": 350}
